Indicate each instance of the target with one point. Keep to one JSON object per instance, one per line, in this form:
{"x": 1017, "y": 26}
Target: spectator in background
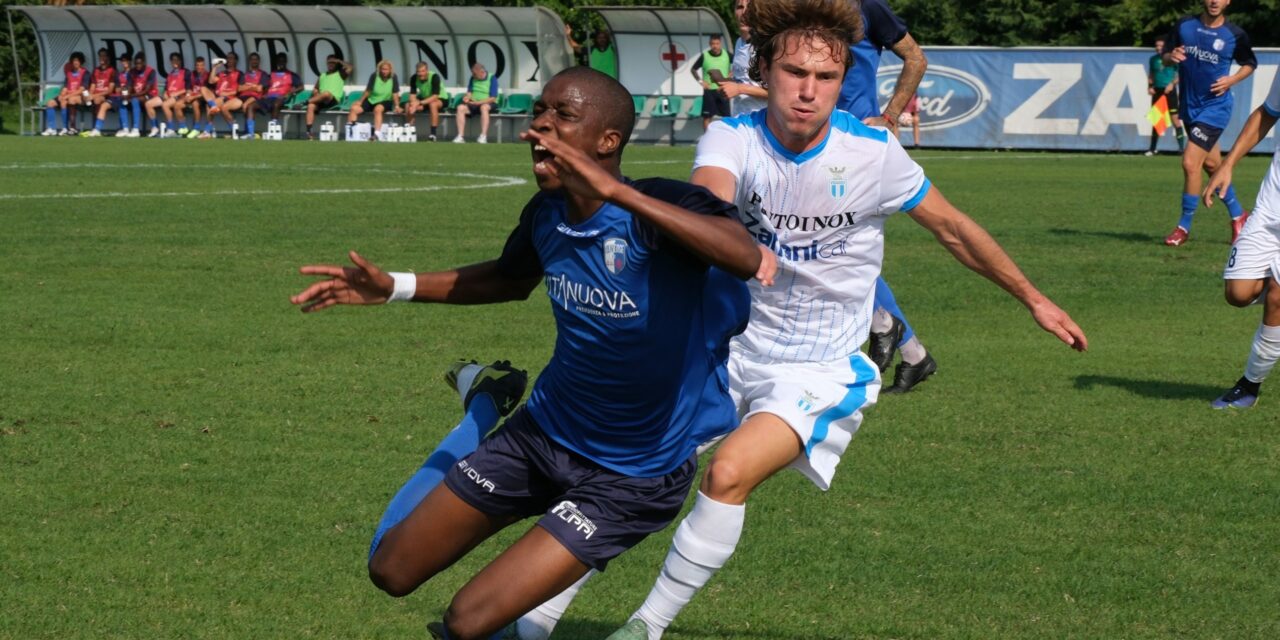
{"x": 195, "y": 97}
{"x": 176, "y": 87}
{"x": 119, "y": 95}
{"x": 1162, "y": 80}
{"x": 222, "y": 93}
{"x": 102, "y": 83}
{"x": 744, "y": 94}
{"x": 481, "y": 96}
{"x": 711, "y": 68}
{"x": 331, "y": 86}
{"x": 426, "y": 92}
{"x": 282, "y": 85}
{"x": 382, "y": 92}
{"x": 251, "y": 90}
{"x": 600, "y": 56}
{"x": 144, "y": 93}
{"x": 74, "y": 91}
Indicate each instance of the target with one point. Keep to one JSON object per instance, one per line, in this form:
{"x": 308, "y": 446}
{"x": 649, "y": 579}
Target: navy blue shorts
{"x": 268, "y": 103}
{"x": 596, "y": 513}
{"x": 1203, "y": 135}
{"x": 473, "y": 108}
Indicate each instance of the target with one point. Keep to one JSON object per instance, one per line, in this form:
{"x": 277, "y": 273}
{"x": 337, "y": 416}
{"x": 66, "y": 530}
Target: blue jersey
{"x": 883, "y": 29}
{"x": 637, "y": 380}
{"x": 1210, "y": 51}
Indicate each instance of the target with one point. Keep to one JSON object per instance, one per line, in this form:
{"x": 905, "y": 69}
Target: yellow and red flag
{"x": 1159, "y": 116}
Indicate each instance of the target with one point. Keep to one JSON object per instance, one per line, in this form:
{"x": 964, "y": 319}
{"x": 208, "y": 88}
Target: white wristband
{"x": 406, "y": 286}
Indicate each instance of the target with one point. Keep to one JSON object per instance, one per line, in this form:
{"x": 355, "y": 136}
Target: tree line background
{"x": 999, "y": 23}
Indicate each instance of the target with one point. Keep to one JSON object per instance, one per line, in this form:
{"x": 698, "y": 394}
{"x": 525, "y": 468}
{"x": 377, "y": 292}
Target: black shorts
{"x": 327, "y": 103}
{"x": 367, "y": 107}
{"x": 473, "y": 108}
{"x": 714, "y": 104}
{"x": 268, "y": 103}
{"x": 596, "y": 513}
{"x": 1172, "y": 99}
{"x": 1203, "y": 135}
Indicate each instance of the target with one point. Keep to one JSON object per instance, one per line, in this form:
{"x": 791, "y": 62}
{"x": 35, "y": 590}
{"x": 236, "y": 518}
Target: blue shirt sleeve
{"x": 519, "y": 257}
{"x": 493, "y": 87}
{"x": 1243, "y": 54}
{"x": 690, "y": 197}
{"x": 883, "y": 27}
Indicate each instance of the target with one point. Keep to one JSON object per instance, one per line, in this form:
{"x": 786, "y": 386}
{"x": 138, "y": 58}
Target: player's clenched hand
{"x": 364, "y": 283}
{"x": 730, "y": 89}
{"x": 768, "y": 266}
{"x": 1056, "y": 321}
{"x": 1218, "y": 183}
{"x": 881, "y": 121}
{"x": 578, "y": 172}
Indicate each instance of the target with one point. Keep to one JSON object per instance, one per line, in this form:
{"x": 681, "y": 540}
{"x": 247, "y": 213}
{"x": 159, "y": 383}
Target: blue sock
{"x": 248, "y": 124}
{"x": 1233, "y": 205}
{"x": 65, "y": 117}
{"x": 152, "y": 122}
{"x": 481, "y": 417}
{"x": 137, "y": 114}
{"x": 209, "y": 127}
{"x": 886, "y": 301}
{"x": 169, "y": 124}
{"x": 124, "y": 117}
{"x": 1189, "y": 203}
{"x": 97, "y": 124}
{"x": 48, "y": 116}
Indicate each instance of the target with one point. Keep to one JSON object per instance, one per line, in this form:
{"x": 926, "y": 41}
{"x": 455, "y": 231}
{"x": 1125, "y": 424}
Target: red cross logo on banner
{"x": 673, "y": 54}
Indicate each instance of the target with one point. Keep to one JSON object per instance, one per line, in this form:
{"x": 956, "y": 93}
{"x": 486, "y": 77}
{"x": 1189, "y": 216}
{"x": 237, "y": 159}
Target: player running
{"x": 74, "y": 93}
{"x": 604, "y": 449}
{"x": 1204, "y": 47}
{"x": 1253, "y": 267}
{"x": 815, "y": 185}
{"x": 883, "y": 29}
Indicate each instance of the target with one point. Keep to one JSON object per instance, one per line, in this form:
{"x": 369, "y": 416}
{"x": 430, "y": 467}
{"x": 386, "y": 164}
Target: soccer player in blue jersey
{"x": 883, "y": 29}
{"x": 1204, "y": 47}
{"x": 603, "y": 451}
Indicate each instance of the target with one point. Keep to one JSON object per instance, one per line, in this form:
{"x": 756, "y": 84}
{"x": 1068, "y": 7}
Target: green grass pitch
{"x": 184, "y": 455}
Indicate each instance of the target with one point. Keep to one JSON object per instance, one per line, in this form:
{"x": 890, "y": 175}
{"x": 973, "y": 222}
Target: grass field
{"x": 184, "y": 455}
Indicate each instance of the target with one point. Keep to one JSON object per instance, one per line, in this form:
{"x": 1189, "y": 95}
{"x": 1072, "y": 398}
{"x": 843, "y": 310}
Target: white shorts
{"x": 821, "y": 401}
{"x": 1256, "y": 253}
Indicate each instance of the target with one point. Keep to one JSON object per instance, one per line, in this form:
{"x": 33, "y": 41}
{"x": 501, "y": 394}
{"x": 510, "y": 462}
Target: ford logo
{"x": 948, "y": 97}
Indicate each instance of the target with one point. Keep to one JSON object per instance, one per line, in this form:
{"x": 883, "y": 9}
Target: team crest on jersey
{"x": 837, "y": 181}
{"x": 1218, "y": 44}
{"x": 615, "y": 255}
{"x": 806, "y": 401}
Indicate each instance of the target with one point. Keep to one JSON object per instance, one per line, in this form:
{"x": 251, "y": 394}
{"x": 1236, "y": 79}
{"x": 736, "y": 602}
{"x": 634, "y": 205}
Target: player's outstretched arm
{"x": 365, "y": 283}
{"x": 1255, "y": 129}
{"x": 976, "y": 249}
{"x": 720, "y": 242}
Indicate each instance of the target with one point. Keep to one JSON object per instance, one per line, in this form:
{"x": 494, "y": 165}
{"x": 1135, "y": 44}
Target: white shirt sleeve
{"x": 1272, "y": 103}
{"x": 902, "y": 181}
{"x": 722, "y": 146}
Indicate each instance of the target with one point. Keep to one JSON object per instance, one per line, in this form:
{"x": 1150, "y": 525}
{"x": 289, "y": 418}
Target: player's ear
{"x": 609, "y": 142}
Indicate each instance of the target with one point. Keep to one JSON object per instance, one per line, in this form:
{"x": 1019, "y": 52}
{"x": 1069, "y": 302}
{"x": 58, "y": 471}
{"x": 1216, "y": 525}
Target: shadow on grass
{"x": 1109, "y": 235}
{"x": 1162, "y": 389}
{"x": 570, "y": 629}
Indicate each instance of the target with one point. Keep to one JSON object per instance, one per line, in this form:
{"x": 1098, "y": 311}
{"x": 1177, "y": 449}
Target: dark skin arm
{"x": 720, "y": 242}
{"x": 365, "y": 283}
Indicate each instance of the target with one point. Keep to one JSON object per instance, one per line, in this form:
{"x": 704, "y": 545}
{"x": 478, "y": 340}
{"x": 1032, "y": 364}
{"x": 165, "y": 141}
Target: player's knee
{"x": 465, "y": 618}
{"x": 1191, "y": 165}
{"x": 391, "y": 579}
{"x": 1241, "y": 293}
{"x": 724, "y": 480}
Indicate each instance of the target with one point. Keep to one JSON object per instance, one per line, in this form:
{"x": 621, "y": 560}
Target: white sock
{"x": 538, "y": 624}
{"x": 1263, "y": 356}
{"x": 704, "y": 541}
{"x": 466, "y": 376}
{"x": 913, "y": 351}
{"x": 881, "y": 321}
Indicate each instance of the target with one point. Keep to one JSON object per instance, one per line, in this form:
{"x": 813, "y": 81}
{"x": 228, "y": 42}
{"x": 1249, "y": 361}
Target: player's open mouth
{"x": 540, "y": 153}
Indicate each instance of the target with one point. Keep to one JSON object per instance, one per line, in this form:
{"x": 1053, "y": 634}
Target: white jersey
{"x": 742, "y": 54}
{"x": 1268, "y": 202}
{"x": 822, "y": 212}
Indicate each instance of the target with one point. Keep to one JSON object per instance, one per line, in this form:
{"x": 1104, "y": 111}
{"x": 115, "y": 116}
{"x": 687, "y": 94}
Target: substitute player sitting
{"x": 425, "y": 94}
{"x": 603, "y": 452}
{"x": 251, "y": 91}
{"x": 796, "y": 374}
{"x": 381, "y": 94}
{"x": 176, "y": 87}
{"x": 282, "y": 85}
{"x": 1253, "y": 267}
{"x": 74, "y": 92}
{"x": 222, "y": 93}
{"x": 102, "y": 82}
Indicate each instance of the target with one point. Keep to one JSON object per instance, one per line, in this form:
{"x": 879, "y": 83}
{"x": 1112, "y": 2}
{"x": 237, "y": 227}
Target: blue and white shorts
{"x": 821, "y": 401}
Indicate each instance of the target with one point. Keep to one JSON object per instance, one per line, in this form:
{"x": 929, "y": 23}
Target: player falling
{"x": 1203, "y": 47}
{"x": 1253, "y": 266}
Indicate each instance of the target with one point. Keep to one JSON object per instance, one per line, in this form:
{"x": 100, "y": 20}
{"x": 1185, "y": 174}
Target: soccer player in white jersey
{"x": 1253, "y": 267}
{"x": 816, "y": 186}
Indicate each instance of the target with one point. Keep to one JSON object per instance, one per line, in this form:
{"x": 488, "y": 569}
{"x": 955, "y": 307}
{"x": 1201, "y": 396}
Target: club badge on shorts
{"x": 615, "y": 255}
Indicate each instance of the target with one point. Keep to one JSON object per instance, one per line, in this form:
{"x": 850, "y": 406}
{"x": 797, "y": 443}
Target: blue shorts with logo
{"x": 1203, "y": 135}
{"x": 596, "y": 513}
